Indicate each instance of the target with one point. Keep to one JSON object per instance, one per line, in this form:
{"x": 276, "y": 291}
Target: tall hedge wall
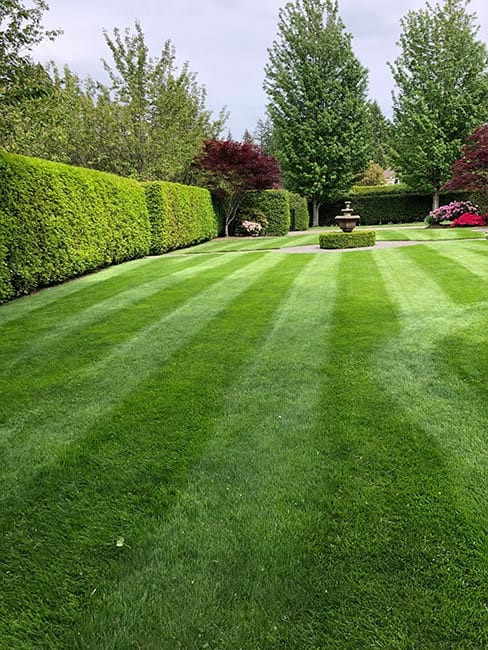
{"x": 274, "y": 204}
{"x": 299, "y": 217}
{"x": 386, "y": 204}
{"x": 58, "y": 221}
{"x": 180, "y": 215}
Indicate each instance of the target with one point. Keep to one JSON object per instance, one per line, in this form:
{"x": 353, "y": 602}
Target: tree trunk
{"x": 315, "y": 217}
{"x": 435, "y": 200}
{"x": 226, "y": 232}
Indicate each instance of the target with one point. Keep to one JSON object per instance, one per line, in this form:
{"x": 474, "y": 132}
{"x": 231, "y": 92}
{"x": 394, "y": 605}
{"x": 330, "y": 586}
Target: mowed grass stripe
{"x": 58, "y": 532}
{"x": 62, "y": 405}
{"x": 44, "y": 297}
{"x": 462, "y": 286}
{"x": 398, "y": 554}
{"x": 232, "y": 565}
{"x": 427, "y": 234}
{"x": 27, "y": 339}
{"x": 49, "y": 376}
{"x": 472, "y": 258}
{"x": 443, "y": 385}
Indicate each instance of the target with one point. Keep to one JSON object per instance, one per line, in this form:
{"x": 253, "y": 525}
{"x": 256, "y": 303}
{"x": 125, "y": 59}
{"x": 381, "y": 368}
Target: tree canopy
{"x": 20, "y": 30}
{"x": 317, "y": 101}
{"x": 441, "y": 91}
{"x": 150, "y": 121}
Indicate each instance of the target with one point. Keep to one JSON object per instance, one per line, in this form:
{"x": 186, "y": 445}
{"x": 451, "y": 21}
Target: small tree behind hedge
{"x": 230, "y": 169}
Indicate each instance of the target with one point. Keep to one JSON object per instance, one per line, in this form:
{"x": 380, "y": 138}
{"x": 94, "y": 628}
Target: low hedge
{"x": 180, "y": 215}
{"x": 275, "y": 206}
{"x": 58, "y": 221}
{"x": 386, "y": 204}
{"x": 356, "y": 239}
{"x": 299, "y": 218}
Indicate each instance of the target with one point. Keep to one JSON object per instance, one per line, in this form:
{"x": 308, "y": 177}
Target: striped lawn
{"x": 308, "y": 239}
{"x": 249, "y": 451}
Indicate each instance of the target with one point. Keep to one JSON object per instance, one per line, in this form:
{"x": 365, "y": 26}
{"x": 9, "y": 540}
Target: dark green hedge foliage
{"x": 274, "y": 204}
{"x": 356, "y": 239}
{"x": 180, "y": 215}
{"x": 386, "y": 204}
{"x": 299, "y": 218}
{"x": 58, "y": 221}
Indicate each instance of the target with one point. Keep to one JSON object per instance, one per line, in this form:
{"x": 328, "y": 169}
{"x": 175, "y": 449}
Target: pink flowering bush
{"x": 468, "y": 219}
{"x": 251, "y": 227}
{"x": 450, "y": 212}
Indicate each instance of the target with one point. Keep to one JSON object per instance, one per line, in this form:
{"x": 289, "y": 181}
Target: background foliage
{"x": 385, "y": 204}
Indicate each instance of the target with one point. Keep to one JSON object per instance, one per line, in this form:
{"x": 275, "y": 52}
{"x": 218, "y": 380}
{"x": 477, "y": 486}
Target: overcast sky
{"x": 226, "y": 42}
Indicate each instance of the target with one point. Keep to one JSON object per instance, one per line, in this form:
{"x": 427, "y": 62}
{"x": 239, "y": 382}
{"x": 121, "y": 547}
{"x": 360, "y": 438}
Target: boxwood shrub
{"x": 299, "y": 218}
{"x": 386, "y": 204}
{"x": 356, "y": 239}
{"x": 58, "y": 221}
{"x": 275, "y": 206}
{"x": 180, "y": 215}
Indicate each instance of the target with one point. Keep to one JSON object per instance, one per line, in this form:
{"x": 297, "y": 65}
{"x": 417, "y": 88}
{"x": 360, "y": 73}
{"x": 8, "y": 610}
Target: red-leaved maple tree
{"x": 470, "y": 172}
{"x": 229, "y": 169}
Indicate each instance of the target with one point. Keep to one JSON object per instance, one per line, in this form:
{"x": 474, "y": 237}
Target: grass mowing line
{"x": 226, "y": 566}
{"x": 166, "y": 278}
{"x": 75, "y": 406}
{"x": 58, "y": 534}
{"x": 40, "y": 299}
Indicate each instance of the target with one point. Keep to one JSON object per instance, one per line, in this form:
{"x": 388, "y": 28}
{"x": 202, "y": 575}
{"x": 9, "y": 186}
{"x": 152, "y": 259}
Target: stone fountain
{"x": 347, "y": 221}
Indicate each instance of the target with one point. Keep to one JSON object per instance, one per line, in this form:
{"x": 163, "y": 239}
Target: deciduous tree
{"x": 229, "y": 169}
{"x": 441, "y": 92}
{"x": 470, "y": 171}
{"x": 20, "y": 30}
{"x": 317, "y": 101}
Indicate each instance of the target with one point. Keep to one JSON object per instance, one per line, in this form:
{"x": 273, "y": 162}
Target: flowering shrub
{"x": 469, "y": 219}
{"x": 251, "y": 227}
{"x": 451, "y": 211}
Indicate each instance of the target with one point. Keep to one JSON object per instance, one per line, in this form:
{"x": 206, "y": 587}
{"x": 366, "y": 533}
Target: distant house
{"x": 390, "y": 177}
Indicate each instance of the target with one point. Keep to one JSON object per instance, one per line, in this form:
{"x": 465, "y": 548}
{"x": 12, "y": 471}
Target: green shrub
{"x": 275, "y": 206}
{"x": 385, "y": 204}
{"x": 180, "y": 215}
{"x": 355, "y": 239}
{"x": 58, "y": 221}
{"x": 299, "y": 217}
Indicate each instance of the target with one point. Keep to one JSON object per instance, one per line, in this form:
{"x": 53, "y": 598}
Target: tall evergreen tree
{"x": 381, "y": 133}
{"x": 442, "y": 92}
{"x": 317, "y": 101}
{"x": 264, "y": 135}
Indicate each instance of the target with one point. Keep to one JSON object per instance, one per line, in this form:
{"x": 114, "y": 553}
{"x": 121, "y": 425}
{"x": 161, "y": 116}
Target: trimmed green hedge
{"x": 386, "y": 204}
{"x": 356, "y": 239}
{"x": 274, "y": 204}
{"x": 299, "y": 217}
{"x": 58, "y": 221}
{"x": 180, "y": 215}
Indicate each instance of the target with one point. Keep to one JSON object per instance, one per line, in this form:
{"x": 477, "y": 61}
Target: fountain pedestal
{"x": 347, "y": 221}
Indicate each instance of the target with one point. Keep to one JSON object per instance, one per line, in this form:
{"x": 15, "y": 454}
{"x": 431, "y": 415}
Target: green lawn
{"x": 382, "y": 234}
{"x": 249, "y": 451}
